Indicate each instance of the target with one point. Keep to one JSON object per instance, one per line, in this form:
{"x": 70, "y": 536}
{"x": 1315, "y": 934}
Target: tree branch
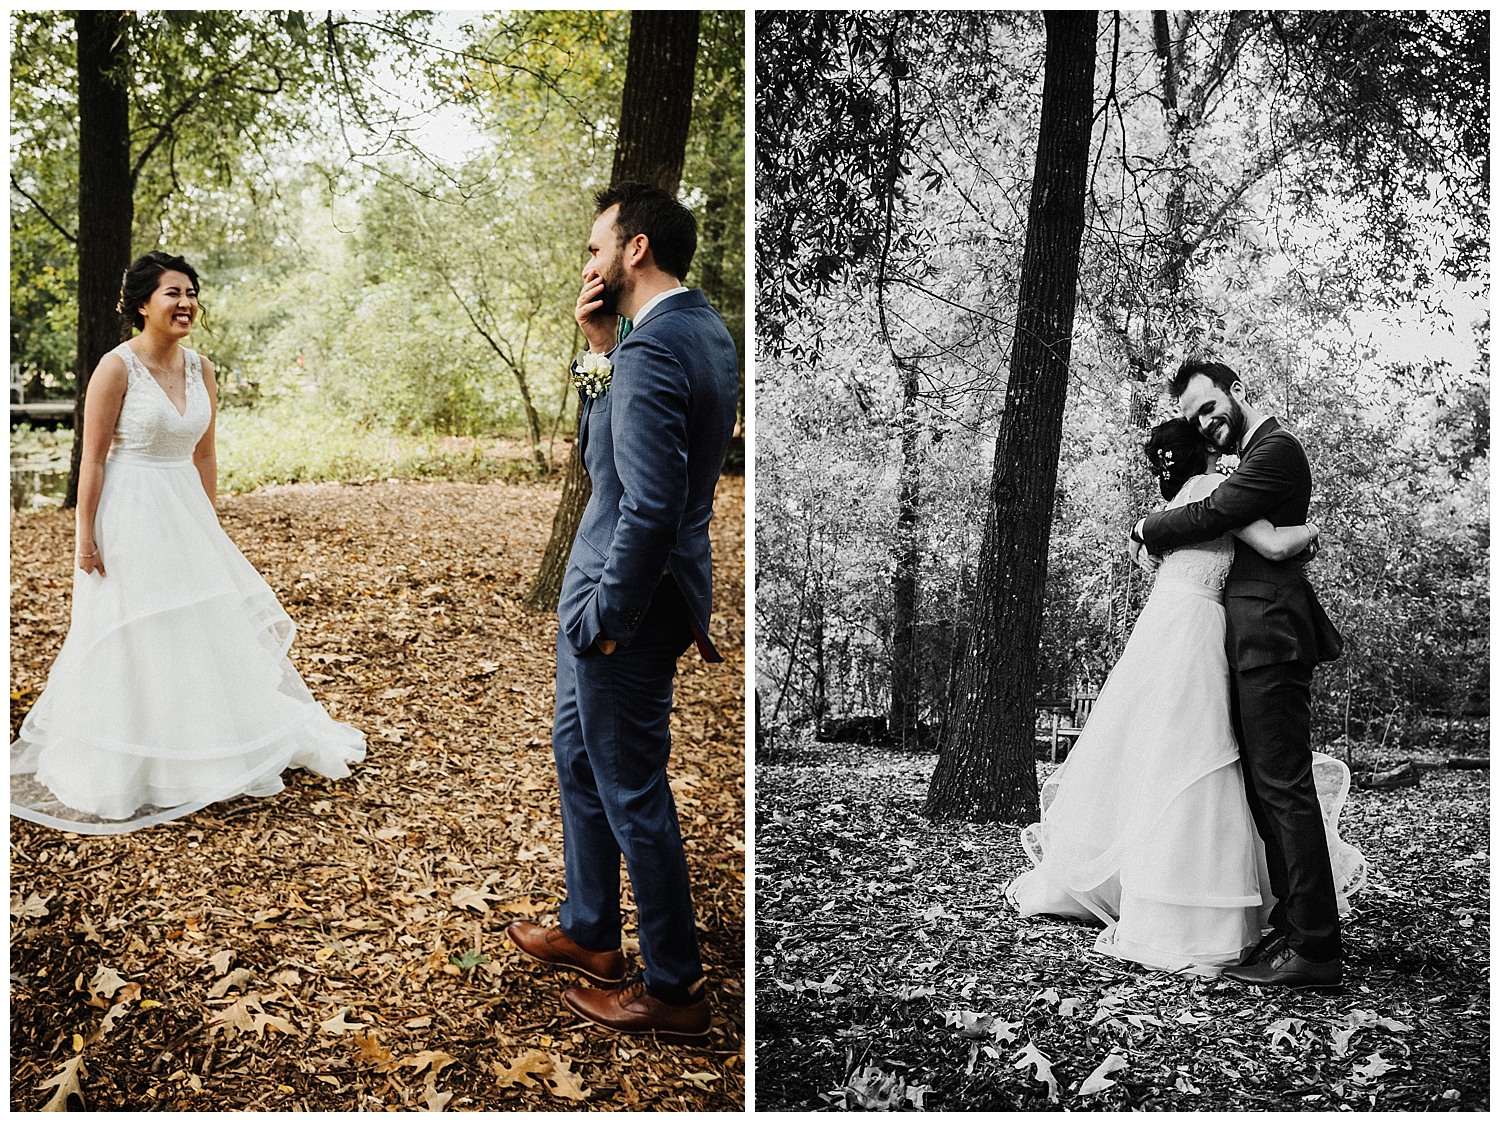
{"x": 40, "y": 209}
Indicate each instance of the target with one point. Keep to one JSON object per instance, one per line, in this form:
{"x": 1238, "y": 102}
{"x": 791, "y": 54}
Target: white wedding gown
{"x": 173, "y": 689}
{"x": 1145, "y": 827}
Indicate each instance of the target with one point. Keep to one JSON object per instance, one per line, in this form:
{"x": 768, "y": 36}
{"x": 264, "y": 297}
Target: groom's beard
{"x": 614, "y": 291}
{"x": 1225, "y": 433}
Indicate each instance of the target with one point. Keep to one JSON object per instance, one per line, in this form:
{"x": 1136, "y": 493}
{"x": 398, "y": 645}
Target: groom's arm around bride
{"x": 1275, "y": 633}
{"x": 1273, "y": 481}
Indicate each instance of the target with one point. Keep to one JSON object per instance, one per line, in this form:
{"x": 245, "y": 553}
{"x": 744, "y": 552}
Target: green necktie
{"x": 624, "y": 329}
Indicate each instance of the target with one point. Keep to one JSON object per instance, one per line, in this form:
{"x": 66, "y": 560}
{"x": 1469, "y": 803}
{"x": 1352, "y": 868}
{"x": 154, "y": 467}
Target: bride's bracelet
{"x": 86, "y": 556}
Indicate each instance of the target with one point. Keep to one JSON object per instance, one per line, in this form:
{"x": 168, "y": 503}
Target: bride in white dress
{"x": 173, "y": 689}
{"x": 1145, "y": 828}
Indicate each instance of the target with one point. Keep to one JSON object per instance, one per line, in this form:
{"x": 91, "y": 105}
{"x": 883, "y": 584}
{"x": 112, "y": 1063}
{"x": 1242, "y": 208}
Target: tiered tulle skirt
{"x": 1146, "y": 827}
{"x": 173, "y": 689}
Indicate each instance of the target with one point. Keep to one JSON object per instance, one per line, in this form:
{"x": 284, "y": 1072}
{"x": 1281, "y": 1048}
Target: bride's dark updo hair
{"x": 1176, "y": 452}
{"x": 141, "y": 279}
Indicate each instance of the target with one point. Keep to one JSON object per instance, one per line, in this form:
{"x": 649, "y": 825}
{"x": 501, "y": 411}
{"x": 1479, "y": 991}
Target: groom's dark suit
{"x": 639, "y": 574}
{"x": 1276, "y": 632}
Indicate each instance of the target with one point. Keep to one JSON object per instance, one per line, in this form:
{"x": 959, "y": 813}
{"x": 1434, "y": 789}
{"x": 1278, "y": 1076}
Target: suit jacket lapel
{"x": 1265, "y": 430}
{"x": 583, "y": 422}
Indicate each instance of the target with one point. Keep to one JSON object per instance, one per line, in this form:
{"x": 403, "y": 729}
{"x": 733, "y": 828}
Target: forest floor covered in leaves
{"x": 891, "y": 973}
{"x": 340, "y": 946}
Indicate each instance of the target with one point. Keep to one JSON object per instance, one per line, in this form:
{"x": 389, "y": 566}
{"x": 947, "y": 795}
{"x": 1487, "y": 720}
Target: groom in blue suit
{"x": 658, "y": 409}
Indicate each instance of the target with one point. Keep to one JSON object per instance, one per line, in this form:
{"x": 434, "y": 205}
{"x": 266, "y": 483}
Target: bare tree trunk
{"x": 819, "y": 659}
{"x": 106, "y": 205}
{"x": 986, "y": 770}
{"x": 533, "y": 422}
{"x": 547, "y": 587}
{"x": 905, "y": 680}
{"x": 657, "y": 104}
{"x": 901, "y": 720}
{"x": 655, "y": 111}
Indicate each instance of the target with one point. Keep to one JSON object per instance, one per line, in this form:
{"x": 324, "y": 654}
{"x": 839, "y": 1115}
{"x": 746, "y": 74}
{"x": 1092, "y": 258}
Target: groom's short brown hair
{"x": 1216, "y": 372}
{"x": 668, "y": 225}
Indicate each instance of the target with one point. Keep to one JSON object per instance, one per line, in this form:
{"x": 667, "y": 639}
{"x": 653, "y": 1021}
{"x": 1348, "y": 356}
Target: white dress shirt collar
{"x": 655, "y": 300}
{"x": 1249, "y": 436}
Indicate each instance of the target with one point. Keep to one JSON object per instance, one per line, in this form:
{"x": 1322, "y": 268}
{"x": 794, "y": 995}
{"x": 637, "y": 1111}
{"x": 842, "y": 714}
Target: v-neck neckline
{"x": 185, "y": 379}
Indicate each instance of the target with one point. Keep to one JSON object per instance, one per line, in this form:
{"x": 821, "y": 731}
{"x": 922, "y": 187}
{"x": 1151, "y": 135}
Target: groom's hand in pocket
{"x": 605, "y": 646}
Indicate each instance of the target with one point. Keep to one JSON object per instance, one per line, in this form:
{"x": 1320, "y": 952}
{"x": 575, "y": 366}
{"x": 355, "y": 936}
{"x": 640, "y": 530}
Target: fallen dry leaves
{"x": 340, "y": 946}
{"x": 891, "y": 973}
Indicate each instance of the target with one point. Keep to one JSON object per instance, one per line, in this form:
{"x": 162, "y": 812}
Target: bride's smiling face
{"x": 1216, "y": 412}
{"x": 173, "y": 307}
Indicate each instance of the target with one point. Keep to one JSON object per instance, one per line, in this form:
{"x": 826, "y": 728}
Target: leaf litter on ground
{"x": 340, "y": 945}
{"x": 850, "y": 895}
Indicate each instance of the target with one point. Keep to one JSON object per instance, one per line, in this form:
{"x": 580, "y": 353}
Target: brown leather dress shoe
{"x": 1285, "y": 967}
{"x": 552, "y": 946}
{"x": 631, "y": 1009}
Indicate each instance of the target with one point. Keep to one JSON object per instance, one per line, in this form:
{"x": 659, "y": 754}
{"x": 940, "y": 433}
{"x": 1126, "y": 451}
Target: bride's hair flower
{"x": 592, "y": 373}
{"x": 1175, "y": 453}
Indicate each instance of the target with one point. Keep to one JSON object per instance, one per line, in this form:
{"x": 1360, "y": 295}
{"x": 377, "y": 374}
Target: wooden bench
{"x": 1069, "y": 717}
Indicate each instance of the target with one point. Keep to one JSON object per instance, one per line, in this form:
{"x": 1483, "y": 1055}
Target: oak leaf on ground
{"x": 1098, "y": 1079}
{"x": 68, "y": 1082}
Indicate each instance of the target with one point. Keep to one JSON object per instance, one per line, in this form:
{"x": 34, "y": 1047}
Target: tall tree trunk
{"x": 905, "y": 690}
{"x": 986, "y": 770}
{"x": 547, "y": 587}
{"x": 106, "y": 206}
{"x": 657, "y": 105}
{"x": 818, "y": 642}
{"x": 905, "y": 680}
{"x": 655, "y": 111}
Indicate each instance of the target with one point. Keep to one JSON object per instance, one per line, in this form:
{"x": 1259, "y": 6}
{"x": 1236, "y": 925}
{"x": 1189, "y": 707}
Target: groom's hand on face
{"x": 597, "y": 326}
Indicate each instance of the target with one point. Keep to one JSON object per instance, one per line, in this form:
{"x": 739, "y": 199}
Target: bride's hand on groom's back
{"x": 1315, "y": 546}
{"x": 1143, "y": 557}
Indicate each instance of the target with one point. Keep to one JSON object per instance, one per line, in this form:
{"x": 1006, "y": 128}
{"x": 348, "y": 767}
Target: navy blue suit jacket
{"x": 653, "y": 445}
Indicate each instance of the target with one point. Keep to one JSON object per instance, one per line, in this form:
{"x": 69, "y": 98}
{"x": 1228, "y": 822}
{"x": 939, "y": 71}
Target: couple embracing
{"x": 174, "y": 691}
{"x": 1192, "y": 818}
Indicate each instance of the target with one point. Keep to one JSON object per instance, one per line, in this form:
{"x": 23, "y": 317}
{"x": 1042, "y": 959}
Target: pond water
{"x": 39, "y": 460}
{"x": 32, "y": 487}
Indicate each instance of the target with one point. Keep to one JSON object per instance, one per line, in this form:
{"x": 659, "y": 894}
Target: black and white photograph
{"x": 1121, "y": 521}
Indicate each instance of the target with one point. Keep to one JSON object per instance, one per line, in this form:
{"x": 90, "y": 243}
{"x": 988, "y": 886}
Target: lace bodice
{"x": 1206, "y": 563}
{"x": 149, "y": 423}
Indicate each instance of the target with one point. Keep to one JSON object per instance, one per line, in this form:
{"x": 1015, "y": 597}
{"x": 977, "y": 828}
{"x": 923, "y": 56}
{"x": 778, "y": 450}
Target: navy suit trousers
{"x": 610, "y": 740}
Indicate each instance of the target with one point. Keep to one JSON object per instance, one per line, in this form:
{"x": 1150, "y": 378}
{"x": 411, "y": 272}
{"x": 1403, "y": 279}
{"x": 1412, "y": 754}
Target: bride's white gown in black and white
{"x": 173, "y": 689}
{"x": 1145, "y": 827}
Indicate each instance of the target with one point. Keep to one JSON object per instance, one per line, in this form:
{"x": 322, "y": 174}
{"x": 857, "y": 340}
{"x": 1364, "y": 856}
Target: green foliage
{"x": 345, "y": 268}
{"x": 297, "y": 441}
{"x": 549, "y": 80}
{"x": 218, "y": 100}
{"x": 714, "y": 173}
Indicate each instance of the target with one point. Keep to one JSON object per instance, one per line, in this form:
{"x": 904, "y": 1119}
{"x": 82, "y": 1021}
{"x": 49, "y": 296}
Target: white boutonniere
{"x": 592, "y": 373}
